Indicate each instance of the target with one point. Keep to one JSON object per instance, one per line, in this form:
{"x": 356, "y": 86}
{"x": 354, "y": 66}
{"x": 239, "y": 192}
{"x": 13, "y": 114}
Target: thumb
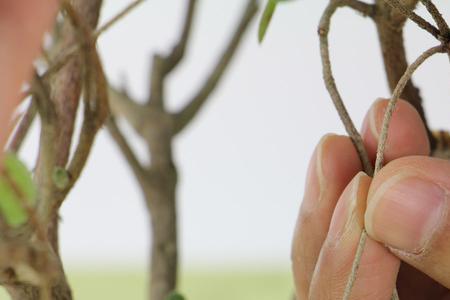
{"x": 408, "y": 210}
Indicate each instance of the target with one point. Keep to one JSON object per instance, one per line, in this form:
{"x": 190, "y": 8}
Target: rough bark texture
{"x": 157, "y": 126}
{"x": 58, "y": 122}
{"x": 390, "y": 24}
{"x": 60, "y": 291}
{"x": 160, "y": 195}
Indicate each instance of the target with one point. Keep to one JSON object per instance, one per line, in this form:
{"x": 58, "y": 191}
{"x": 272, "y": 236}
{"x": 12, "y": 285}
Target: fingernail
{"x": 315, "y": 178}
{"x": 374, "y": 118}
{"x": 348, "y": 209}
{"x": 405, "y": 212}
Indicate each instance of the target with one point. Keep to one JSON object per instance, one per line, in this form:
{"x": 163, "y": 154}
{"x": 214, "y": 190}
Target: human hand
{"x": 405, "y": 207}
{"x": 22, "y": 25}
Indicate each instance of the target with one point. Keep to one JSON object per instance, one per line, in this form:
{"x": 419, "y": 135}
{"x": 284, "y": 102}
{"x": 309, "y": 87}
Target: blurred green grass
{"x": 195, "y": 285}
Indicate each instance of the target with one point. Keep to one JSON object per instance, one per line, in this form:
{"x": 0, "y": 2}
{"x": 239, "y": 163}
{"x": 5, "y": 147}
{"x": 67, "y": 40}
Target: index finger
{"x": 22, "y": 25}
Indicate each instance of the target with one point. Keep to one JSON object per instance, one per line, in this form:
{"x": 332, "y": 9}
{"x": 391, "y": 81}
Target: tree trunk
{"x": 161, "y": 201}
{"x": 390, "y": 32}
{"x": 60, "y": 291}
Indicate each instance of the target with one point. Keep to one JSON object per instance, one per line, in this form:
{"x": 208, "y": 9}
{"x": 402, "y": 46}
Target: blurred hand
{"x": 22, "y": 25}
{"x": 405, "y": 207}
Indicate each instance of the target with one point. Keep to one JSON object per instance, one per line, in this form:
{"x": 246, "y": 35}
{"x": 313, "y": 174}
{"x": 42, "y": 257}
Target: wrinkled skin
{"x": 404, "y": 209}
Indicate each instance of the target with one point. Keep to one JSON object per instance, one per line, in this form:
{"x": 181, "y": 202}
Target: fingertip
{"x": 406, "y": 135}
{"x": 339, "y": 159}
{"x": 332, "y": 166}
{"x": 378, "y": 267}
{"x": 408, "y": 209}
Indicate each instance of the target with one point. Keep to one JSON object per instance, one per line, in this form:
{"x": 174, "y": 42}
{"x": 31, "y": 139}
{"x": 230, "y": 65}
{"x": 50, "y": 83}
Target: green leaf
{"x": 175, "y": 296}
{"x": 265, "y": 19}
{"x": 17, "y": 187}
{"x": 10, "y": 208}
{"x": 60, "y": 178}
{"x": 20, "y": 175}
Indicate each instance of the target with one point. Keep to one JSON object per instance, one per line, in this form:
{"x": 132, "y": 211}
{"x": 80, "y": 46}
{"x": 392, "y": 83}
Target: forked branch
{"x": 163, "y": 65}
{"x": 178, "y": 51}
{"x": 421, "y": 22}
{"x": 183, "y": 117}
{"x": 438, "y": 19}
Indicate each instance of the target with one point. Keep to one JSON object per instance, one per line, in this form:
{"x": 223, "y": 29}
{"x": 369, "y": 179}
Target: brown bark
{"x": 390, "y": 25}
{"x": 66, "y": 84}
{"x": 57, "y": 104}
{"x": 160, "y": 196}
{"x": 60, "y": 291}
{"x": 157, "y": 126}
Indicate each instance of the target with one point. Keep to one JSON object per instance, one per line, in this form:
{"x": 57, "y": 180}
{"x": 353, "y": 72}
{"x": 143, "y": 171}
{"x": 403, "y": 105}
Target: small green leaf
{"x": 175, "y": 296}
{"x": 60, "y": 178}
{"x": 265, "y": 19}
{"x": 10, "y": 207}
{"x": 17, "y": 187}
{"x": 20, "y": 175}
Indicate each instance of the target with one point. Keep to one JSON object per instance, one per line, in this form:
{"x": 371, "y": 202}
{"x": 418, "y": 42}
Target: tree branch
{"x": 163, "y": 65}
{"x": 324, "y": 28}
{"x": 437, "y": 17}
{"x": 65, "y": 56}
{"x": 121, "y": 105}
{"x": 117, "y": 17}
{"x": 177, "y": 54}
{"x": 95, "y": 112}
{"x": 367, "y": 10}
{"x": 421, "y": 22}
{"x": 390, "y": 24}
{"x": 125, "y": 148}
{"x": 395, "y": 96}
{"x": 381, "y": 147}
{"x": 188, "y": 113}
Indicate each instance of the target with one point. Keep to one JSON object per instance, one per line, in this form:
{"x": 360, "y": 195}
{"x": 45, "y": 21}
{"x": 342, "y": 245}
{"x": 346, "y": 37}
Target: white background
{"x": 243, "y": 161}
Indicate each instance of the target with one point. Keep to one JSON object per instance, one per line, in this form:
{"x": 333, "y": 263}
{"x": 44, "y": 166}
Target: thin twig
{"x": 178, "y": 51}
{"x": 324, "y": 28}
{"x": 437, "y": 17}
{"x": 22, "y": 129}
{"x": 365, "y": 9}
{"x": 421, "y": 22}
{"x": 121, "y": 105}
{"x": 395, "y": 96}
{"x": 117, "y": 18}
{"x": 183, "y": 117}
{"x": 163, "y": 65}
{"x": 96, "y": 98}
{"x": 440, "y": 22}
{"x": 355, "y": 265}
{"x": 381, "y": 147}
{"x": 74, "y": 49}
{"x": 125, "y": 148}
